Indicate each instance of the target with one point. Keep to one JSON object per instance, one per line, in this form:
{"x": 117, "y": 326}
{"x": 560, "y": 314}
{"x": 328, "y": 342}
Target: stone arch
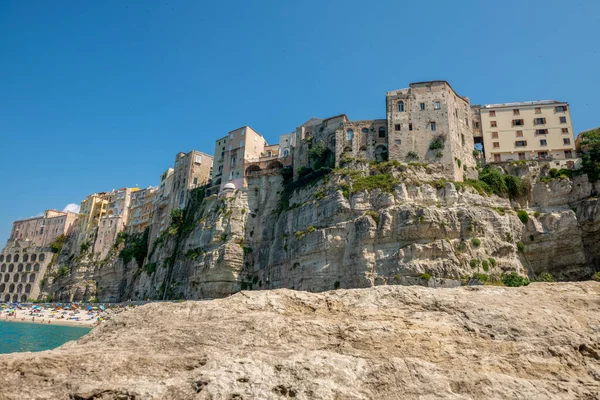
{"x": 15, "y": 298}
{"x": 275, "y": 165}
{"x": 16, "y": 278}
{"x": 42, "y": 257}
{"x": 1, "y": 257}
{"x": 32, "y": 278}
{"x": 286, "y": 153}
{"x": 25, "y": 257}
{"x": 19, "y": 288}
{"x": 6, "y": 277}
{"x": 11, "y": 288}
{"x": 33, "y": 257}
{"x": 28, "y": 288}
{"x": 363, "y": 152}
{"x": 36, "y": 267}
{"x": 16, "y": 258}
{"x": 11, "y": 268}
{"x": 8, "y": 258}
{"x": 28, "y": 267}
{"x": 3, "y": 268}
{"x": 253, "y": 170}
{"x": 349, "y": 135}
{"x": 381, "y": 153}
{"x": 7, "y": 298}
{"x": 23, "y": 298}
{"x": 2, "y": 287}
{"x": 24, "y": 278}
{"x": 20, "y": 268}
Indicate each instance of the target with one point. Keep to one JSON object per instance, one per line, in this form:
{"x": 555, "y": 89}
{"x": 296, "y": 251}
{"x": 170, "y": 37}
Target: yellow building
{"x": 92, "y": 209}
{"x": 534, "y": 130}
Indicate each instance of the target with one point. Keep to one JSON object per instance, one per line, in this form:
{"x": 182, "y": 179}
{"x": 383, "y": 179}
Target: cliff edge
{"x": 385, "y": 342}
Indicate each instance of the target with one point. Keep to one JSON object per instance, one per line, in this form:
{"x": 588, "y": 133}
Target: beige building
{"x": 191, "y": 170}
{"x": 92, "y": 209}
{"x": 533, "y": 130}
{"x": 22, "y": 267}
{"x": 42, "y": 230}
{"x": 161, "y": 204}
{"x": 232, "y": 153}
{"x": 114, "y": 221}
{"x": 140, "y": 210}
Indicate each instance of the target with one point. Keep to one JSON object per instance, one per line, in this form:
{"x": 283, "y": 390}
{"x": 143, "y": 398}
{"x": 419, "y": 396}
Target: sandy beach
{"x": 49, "y": 316}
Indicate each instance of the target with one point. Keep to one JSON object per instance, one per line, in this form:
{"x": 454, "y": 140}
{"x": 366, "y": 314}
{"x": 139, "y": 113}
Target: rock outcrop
{"x": 388, "y": 342}
{"x": 325, "y": 236}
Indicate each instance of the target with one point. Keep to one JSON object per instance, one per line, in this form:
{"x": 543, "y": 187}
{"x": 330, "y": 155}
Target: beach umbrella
{"x": 102, "y": 308}
{"x": 89, "y": 307}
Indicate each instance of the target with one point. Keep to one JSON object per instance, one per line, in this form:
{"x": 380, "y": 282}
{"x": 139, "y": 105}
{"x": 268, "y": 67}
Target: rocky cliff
{"x": 388, "y": 342}
{"x": 352, "y": 228}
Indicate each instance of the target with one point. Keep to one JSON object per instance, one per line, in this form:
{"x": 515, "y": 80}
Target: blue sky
{"x": 99, "y": 95}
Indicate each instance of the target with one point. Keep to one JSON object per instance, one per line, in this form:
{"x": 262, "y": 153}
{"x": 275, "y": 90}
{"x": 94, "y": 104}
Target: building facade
{"x": 161, "y": 204}
{"x": 191, "y": 170}
{"x": 114, "y": 221}
{"x": 42, "y": 230}
{"x": 534, "y": 130}
{"x": 22, "y": 267}
{"x": 140, "y": 210}
{"x": 92, "y": 209}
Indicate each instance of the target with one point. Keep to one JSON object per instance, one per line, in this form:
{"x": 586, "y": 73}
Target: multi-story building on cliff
{"x": 429, "y": 122}
{"x": 532, "y": 130}
{"x": 140, "y": 210}
{"x": 92, "y": 209}
{"x": 161, "y": 204}
{"x": 42, "y": 230}
{"x": 191, "y": 170}
{"x": 115, "y": 220}
{"x": 232, "y": 153}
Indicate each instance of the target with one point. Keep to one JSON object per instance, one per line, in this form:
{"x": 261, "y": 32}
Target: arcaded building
{"x": 42, "y": 230}
{"x": 22, "y": 267}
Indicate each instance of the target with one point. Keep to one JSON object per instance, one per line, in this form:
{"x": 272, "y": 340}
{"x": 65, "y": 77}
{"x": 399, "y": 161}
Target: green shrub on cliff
{"x": 523, "y": 216}
{"x": 515, "y": 280}
{"x": 596, "y": 277}
{"x": 57, "y": 244}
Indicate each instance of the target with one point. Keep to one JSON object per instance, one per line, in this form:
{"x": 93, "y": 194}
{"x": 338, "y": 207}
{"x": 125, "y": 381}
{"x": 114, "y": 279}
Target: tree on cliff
{"x": 590, "y": 160}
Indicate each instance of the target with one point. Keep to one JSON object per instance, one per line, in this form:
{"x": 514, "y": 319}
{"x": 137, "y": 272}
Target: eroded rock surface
{"x": 387, "y": 342}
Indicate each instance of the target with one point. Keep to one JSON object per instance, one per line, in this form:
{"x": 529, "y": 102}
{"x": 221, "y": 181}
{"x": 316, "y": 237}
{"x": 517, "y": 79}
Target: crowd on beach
{"x": 59, "y": 314}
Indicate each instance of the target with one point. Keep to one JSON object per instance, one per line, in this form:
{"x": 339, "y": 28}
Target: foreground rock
{"x": 388, "y": 342}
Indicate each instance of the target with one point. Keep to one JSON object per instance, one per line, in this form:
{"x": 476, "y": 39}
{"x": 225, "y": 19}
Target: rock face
{"x": 325, "y": 237}
{"x": 388, "y": 342}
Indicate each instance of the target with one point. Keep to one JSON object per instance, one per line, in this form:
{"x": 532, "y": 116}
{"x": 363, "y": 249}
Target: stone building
{"x": 191, "y": 170}
{"x": 115, "y": 220}
{"x": 92, "y": 209}
{"x": 232, "y": 153}
{"x": 429, "y": 122}
{"x": 22, "y": 266}
{"x": 161, "y": 204}
{"x": 531, "y": 130}
{"x": 363, "y": 140}
{"x": 313, "y": 132}
{"x": 42, "y": 230}
{"x": 287, "y": 142}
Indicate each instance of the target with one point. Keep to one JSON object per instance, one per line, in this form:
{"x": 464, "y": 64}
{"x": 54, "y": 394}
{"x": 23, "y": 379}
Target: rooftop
{"x": 524, "y": 103}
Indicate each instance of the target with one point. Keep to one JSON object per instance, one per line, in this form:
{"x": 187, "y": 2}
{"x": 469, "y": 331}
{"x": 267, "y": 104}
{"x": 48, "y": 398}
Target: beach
{"x": 52, "y": 315}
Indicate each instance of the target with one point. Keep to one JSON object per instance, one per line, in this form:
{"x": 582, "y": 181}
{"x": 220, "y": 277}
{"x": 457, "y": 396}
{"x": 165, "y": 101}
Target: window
{"x": 231, "y": 136}
{"x": 518, "y": 122}
{"x": 243, "y": 132}
{"x": 422, "y": 106}
{"x": 568, "y": 154}
{"x": 519, "y": 133}
{"x": 198, "y": 159}
{"x": 521, "y": 143}
{"x": 565, "y": 130}
{"x": 476, "y": 124}
{"x": 195, "y": 181}
{"x": 542, "y": 154}
{"x": 382, "y": 132}
{"x": 364, "y": 130}
{"x": 561, "y": 108}
{"x": 428, "y": 88}
{"x": 541, "y": 131}
{"x": 397, "y": 127}
{"x": 539, "y": 121}
{"x": 230, "y": 147}
{"x": 401, "y": 106}
{"x": 497, "y": 158}
{"x": 493, "y": 124}
{"x": 433, "y": 126}
{"x": 492, "y": 113}
{"x": 286, "y": 153}
{"x": 349, "y": 135}
{"x": 521, "y": 156}
{"x": 566, "y": 141}
{"x": 543, "y": 142}
{"x": 563, "y": 120}
{"x": 516, "y": 112}
{"x": 496, "y": 144}
{"x": 437, "y": 105}
{"x": 494, "y": 135}
{"x": 538, "y": 110}
{"x": 410, "y": 126}
{"x": 398, "y": 141}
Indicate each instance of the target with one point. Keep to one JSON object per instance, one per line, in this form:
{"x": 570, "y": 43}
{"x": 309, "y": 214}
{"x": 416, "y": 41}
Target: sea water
{"x": 19, "y": 337}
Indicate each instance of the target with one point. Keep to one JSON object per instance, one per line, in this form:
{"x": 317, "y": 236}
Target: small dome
{"x": 229, "y": 186}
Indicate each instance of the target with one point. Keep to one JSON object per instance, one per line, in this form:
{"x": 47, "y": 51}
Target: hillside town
{"x": 428, "y": 123}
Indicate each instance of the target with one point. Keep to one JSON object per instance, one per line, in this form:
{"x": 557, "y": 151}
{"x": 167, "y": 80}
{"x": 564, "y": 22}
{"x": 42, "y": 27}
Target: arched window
{"x": 43, "y": 256}
{"x": 401, "y": 106}
{"x": 20, "y": 268}
{"x": 27, "y": 288}
{"x": 365, "y": 130}
{"x": 382, "y": 132}
{"x": 16, "y": 259}
{"x": 11, "y": 268}
{"x": 32, "y": 278}
{"x": 8, "y": 258}
{"x": 36, "y": 267}
{"x": 1, "y": 257}
{"x": 349, "y": 135}
{"x": 3, "y": 268}
{"x": 33, "y": 257}
{"x": 27, "y": 268}
{"x": 25, "y": 257}
{"x": 286, "y": 153}
{"x": 16, "y": 278}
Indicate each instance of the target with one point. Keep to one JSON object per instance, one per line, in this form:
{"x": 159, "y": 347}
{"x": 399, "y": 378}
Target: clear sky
{"x": 96, "y": 95}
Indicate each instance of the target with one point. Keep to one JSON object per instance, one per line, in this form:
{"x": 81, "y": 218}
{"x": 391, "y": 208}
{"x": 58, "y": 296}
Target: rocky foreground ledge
{"x": 388, "y": 342}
